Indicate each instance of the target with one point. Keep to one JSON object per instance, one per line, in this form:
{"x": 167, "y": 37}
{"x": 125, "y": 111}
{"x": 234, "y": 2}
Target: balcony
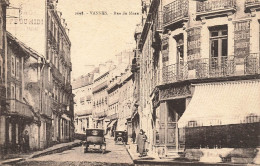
{"x": 68, "y": 87}
{"x": 252, "y": 64}
{"x": 175, "y": 12}
{"x": 215, "y": 8}
{"x": 100, "y": 114}
{"x": 210, "y": 68}
{"x": 57, "y": 75}
{"x": 251, "y": 5}
{"x": 52, "y": 40}
{"x": 19, "y": 108}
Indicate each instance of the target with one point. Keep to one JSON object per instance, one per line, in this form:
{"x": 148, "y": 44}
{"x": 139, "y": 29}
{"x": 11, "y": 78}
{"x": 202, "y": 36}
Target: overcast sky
{"x": 97, "y": 38}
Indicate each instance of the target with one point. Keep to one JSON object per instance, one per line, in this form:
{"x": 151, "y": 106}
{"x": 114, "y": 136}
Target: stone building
{"x": 125, "y": 110}
{"x": 50, "y": 29}
{"x": 202, "y": 58}
{"x": 113, "y": 101}
{"x": 59, "y": 71}
{"x": 82, "y": 89}
{"x": 21, "y": 111}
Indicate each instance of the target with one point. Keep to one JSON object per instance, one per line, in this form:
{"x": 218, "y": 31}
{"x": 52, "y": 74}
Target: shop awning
{"x": 111, "y": 123}
{"x": 223, "y": 103}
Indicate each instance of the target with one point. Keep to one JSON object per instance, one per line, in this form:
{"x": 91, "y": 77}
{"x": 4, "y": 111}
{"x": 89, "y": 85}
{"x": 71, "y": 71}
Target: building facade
{"x": 3, "y": 73}
{"x": 113, "y": 102}
{"x": 196, "y": 53}
{"x": 125, "y": 112}
{"x": 50, "y": 29}
{"x": 82, "y": 89}
{"x": 20, "y": 114}
{"x": 59, "y": 73}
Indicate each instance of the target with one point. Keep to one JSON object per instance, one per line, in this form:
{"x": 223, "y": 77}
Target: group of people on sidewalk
{"x": 140, "y": 141}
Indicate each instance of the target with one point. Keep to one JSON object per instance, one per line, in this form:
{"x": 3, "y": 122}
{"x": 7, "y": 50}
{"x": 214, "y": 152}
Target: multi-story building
{"x": 82, "y": 89}
{"x": 100, "y": 95}
{"x": 113, "y": 101}
{"x": 47, "y": 26}
{"x": 60, "y": 67}
{"x": 100, "y": 100}
{"x": 3, "y": 72}
{"x": 203, "y": 63}
{"x": 125, "y": 110}
{"x": 20, "y": 115}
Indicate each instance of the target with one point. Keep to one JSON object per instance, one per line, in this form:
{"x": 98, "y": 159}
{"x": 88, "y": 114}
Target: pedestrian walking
{"x": 26, "y": 145}
{"x": 141, "y": 139}
{"x": 142, "y": 147}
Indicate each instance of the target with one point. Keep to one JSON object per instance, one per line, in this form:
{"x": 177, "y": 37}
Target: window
{"x": 12, "y": 92}
{"x": 13, "y": 65}
{"x": 17, "y": 68}
{"x": 1, "y": 69}
{"x": 17, "y": 93}
{"x": 49, "y": 74}
{"x": 218, "y": 46}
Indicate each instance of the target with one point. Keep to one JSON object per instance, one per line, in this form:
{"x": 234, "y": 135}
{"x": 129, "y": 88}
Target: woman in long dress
{"x": 138, "y": 140}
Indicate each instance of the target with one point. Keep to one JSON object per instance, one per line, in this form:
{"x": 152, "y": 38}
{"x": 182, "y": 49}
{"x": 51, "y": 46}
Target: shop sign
{"x": 193, "y": 45}
{"x": 165, "y": 49}
{"x": 242, "y": 38}
{"x": 173, "y": 92}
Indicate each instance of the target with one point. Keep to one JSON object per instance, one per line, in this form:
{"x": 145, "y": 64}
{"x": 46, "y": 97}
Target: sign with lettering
{"x": 193, "y": 45}
{"x": 172, "y": 92}
{"x": 28, "y": 16}
{"x": 165, "y": 50}
{"x": 242, "y": 38}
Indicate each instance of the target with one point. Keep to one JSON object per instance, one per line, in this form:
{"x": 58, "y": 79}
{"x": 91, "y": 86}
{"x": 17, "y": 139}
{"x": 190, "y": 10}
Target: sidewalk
{"x": 152, "y": 159}
{"x": 13, "y": 158}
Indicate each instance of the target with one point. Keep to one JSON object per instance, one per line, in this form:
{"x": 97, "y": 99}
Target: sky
{"x": 98, "y": 38}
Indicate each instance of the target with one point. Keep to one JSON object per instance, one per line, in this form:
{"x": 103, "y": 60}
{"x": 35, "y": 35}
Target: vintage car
{"x": 121, "y": 137}
{"x": 95, "y": 140}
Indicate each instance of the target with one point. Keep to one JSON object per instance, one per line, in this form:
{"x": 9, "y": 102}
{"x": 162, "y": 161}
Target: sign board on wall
{"x": 193, "y": 45}
{"x": 165, "y": 50}
{"x": 26, "y": 21}
{"x": 242, "y": 38}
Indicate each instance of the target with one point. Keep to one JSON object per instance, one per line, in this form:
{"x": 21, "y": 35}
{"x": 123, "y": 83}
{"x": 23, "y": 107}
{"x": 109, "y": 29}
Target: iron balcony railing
{"x": 249, "y": 4}
{"x": 210, "y": 68}
{"x": 20, "y": 108}
{"x": 57, "y": 75}
{"x": 215, "y": 5}
{"x": 175, "y": 11}
{"x": 252, "y": 64}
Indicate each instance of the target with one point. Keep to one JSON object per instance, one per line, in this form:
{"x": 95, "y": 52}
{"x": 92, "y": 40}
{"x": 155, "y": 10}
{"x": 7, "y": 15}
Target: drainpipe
{"x": 40, "y": 97}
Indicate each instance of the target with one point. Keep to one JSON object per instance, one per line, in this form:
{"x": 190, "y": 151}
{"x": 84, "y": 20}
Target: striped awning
{"x": 223, "y": 103}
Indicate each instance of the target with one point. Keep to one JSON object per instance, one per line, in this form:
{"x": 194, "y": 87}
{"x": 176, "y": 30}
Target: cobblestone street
{"x": 115, "y": 155}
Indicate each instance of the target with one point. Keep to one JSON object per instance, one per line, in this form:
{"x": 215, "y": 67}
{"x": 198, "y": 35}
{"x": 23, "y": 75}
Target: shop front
{"x": 222, "y": 121}
{"x": 170, "y": 107}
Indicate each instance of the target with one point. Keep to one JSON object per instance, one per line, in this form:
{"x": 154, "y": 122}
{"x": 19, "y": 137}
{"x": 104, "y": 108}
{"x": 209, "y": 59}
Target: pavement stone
{"x": 155, "y": 160}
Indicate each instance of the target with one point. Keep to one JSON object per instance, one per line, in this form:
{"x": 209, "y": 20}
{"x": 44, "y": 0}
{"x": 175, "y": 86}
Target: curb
{"x": 58, "y": 150}
{"x": 11, "y": 161}
{"x": 129, "y": 154}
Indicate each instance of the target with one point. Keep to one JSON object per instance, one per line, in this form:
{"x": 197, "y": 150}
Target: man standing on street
{"x": 26, "y": 145}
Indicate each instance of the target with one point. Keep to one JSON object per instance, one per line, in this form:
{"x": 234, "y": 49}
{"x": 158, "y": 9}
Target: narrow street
{"x": 115, "y": 155}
